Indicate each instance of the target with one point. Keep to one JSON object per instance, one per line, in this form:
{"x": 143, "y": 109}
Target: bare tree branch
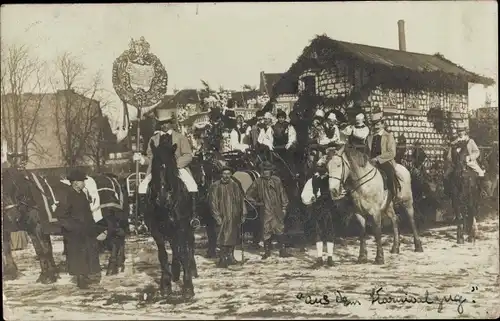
{"x": 77, "y": 112}
{"x": 23, "y": 90}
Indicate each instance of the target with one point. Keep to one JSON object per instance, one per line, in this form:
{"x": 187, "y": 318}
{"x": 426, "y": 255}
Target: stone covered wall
{"x": 405, "y": 110}
{"x": 406, "y": 114}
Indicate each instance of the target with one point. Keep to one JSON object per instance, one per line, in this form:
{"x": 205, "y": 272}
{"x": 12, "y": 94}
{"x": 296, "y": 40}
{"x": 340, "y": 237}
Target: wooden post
{"x": 137, "y": 164}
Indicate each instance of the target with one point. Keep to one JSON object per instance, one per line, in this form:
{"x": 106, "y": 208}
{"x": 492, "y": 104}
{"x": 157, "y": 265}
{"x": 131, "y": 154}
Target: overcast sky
{"x": 228, "y": 44}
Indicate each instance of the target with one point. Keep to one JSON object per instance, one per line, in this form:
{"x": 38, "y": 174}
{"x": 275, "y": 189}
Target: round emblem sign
{"x": 139, "y": 77}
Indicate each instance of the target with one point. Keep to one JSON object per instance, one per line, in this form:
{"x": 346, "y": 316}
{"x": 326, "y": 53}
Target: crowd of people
{"x": 265, "y": 133}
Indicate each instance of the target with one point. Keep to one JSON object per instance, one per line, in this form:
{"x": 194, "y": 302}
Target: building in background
{"x": 53, "y": 129}
{"x": 416, "y": 92}
{"x": 286, "y": 93}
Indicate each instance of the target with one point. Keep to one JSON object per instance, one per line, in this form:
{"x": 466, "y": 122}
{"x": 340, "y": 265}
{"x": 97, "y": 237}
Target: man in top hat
{"x": 468, "y": 145}
{"x": 268, "y": 192}
{"x": 183, "y": 153}
{"x": 240, "y": 135}
{"x": 79, "y": 230}
{"x": 284, "y": 139}
{"x": 382, "y": 151}
{"x": 227, "y": 204}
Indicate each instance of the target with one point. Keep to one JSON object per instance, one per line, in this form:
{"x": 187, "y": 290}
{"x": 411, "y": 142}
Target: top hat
{"x": 76, "y": 175}
{"x": 164, "y": 115}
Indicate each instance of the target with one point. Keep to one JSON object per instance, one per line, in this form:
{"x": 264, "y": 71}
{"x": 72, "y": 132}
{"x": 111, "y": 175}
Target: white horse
{"x": 349, "y": 170}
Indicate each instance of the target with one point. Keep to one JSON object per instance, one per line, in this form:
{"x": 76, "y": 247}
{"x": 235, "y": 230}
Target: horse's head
{"x": 164, "y": 170}
{"x": 347, "y": 166}
{"x": 14, "y": 194}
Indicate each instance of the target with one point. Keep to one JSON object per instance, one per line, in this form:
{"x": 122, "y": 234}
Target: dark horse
{"x": 464, "y": 192}
{"x": 28, "y": 203}
{"x": 169, "y": 218}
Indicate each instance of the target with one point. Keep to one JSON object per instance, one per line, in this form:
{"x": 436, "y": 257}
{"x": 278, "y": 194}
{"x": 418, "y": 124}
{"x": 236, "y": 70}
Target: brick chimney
{"x": 401, "y": 33}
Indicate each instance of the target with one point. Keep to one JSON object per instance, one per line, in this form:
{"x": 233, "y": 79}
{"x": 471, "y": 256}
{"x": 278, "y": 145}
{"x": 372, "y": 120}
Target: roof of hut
{"x": 322, "y": 49}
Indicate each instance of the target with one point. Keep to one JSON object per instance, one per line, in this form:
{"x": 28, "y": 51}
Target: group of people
{"x": 267, "y": 193}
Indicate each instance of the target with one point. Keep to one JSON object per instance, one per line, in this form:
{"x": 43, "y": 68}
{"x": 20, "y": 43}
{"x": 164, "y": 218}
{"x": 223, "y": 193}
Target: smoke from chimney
{"x": 401, "y": 33}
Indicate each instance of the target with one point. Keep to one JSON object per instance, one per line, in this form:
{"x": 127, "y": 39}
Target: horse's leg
{"x": 193, "y": 260}
{"x": 10, "y": 271}
{"x": 176, "y": 262}
{"x": 186, "y": 259}
{"x": 377, "y": 226}
{"x": 43, "y": 249}
{"x": 408, "y": 205}
{"x": 395, "y": 241}
{"x": 166, "y": 273}
{"x": 212, "y": 238}
{"x": 458, "y": 209}
{"x": 363, "y": 253}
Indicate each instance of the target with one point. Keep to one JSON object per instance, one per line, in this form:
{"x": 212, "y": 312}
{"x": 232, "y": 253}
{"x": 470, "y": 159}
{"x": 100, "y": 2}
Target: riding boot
{"x": 282, "y": 243}
{"x": 267, "y": 249}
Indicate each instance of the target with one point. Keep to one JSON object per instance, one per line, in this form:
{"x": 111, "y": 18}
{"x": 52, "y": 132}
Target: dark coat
{"x": 270, "y": 195}
{"x": 79, "y": 229}
{"x": 227, "y": 203}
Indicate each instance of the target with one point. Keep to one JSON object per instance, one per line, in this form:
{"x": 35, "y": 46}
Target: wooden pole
{"x": 137, "y": 164}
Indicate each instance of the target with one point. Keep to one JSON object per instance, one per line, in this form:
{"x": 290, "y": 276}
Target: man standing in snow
{"x": 227, "y": 203}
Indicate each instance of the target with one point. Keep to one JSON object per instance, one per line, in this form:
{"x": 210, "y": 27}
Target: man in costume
{"x": 357, "y": 134}
{"x": 382, "y": 150}
{"x": 77, "y": 225}
{"x": 183, "y": 153}
{"x": 268, "y": 193}
{"x": 240, "y": 135}
{"x": 227, "y": 204}
{"x": 284, "y": 139}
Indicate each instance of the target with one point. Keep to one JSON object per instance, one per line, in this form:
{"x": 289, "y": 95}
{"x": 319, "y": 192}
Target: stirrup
{"x": 195, "y": 223}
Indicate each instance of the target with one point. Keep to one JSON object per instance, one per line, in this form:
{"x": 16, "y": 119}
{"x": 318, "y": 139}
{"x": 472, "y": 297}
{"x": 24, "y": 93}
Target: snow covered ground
{"x": 271, "y": 289}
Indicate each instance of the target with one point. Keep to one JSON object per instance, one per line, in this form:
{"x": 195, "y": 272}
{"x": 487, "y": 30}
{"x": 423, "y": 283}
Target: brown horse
{"x": 465, "y": 193}
{"x": 169, "y": 218}
{"x": 29, "y": 201}
{"x": 350, "y": 170}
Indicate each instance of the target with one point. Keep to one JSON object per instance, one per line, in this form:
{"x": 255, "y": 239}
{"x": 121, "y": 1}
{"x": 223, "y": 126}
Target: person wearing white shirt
{"x": 357, "y": 134}
{"x": 284, "y": 139}
{"x": 266, "y": 135}
{"x": 330, "y": 136}
{"x": 239, "y": 135}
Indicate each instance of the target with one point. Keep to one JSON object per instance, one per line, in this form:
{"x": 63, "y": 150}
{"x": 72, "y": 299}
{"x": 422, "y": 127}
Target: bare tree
{"x": 23, "y": 90}
{"x": 77, "y": 112}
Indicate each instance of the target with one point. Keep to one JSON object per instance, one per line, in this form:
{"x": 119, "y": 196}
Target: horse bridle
{"x": 343, "y": 178}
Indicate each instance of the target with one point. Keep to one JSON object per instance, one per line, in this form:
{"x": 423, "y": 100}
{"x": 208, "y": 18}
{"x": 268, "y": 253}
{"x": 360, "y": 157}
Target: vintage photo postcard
{"x": 202, "y": 161}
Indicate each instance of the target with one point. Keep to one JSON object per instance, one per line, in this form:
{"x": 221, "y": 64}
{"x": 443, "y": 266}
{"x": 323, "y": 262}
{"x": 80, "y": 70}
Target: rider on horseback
{"x": 382, "y": 150}
{"x": 465, "y": 143}
{"x": 183, "y": 153}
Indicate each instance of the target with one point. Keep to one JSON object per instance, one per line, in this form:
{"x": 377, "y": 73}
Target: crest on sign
{"x": 139, "y": 77}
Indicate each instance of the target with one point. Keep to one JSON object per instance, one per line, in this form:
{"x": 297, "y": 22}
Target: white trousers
{"x": 183, "y": 175}
{"x": 476, "y": 168}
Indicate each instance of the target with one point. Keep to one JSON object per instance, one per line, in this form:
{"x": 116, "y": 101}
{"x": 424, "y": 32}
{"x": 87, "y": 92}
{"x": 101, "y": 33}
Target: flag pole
{"x": 137, "y": 165}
